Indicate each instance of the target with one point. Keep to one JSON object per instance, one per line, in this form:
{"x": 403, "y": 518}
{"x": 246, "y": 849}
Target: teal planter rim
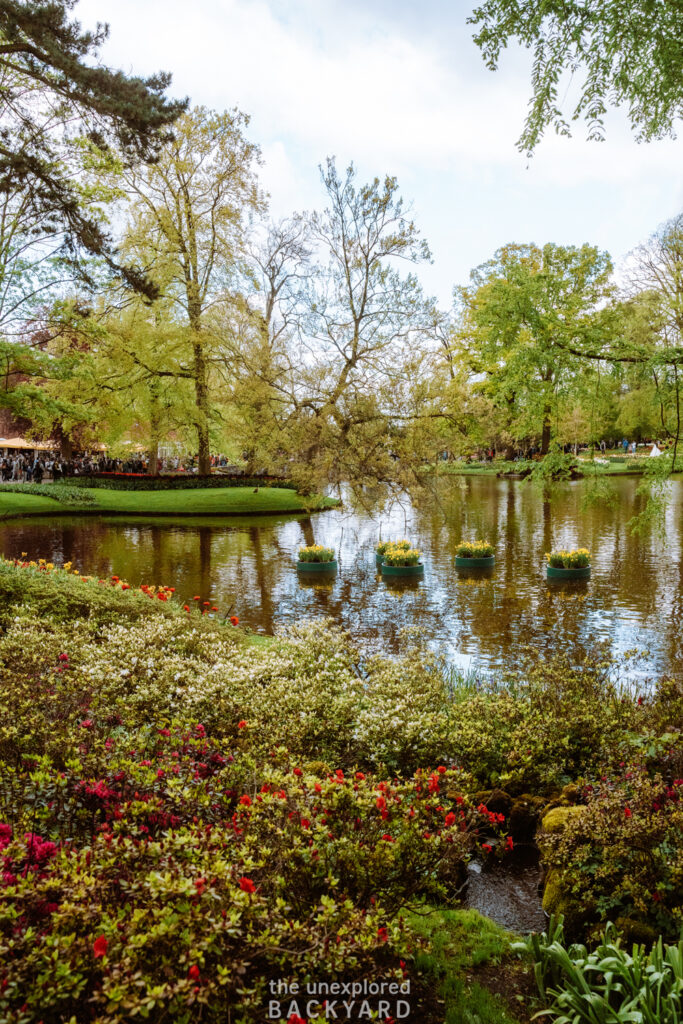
{"x": 475, "y": 563}
{"x": 402, "y": 570}
{"x": 577, "y": 573}
{"x": 317, "y": 566}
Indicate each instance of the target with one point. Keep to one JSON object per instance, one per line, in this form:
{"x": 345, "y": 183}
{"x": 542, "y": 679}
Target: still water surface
{"x": 481, "y": 621}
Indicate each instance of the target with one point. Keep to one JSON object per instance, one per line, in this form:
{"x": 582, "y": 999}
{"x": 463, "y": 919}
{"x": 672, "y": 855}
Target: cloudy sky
{"x": 399, "y": 88}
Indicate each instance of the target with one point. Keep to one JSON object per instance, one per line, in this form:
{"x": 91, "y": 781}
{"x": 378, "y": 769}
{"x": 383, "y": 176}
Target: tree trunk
{"x": 201, "y": 391}
{"x": 154, "y": 428}
{"x": 545, "y": 435}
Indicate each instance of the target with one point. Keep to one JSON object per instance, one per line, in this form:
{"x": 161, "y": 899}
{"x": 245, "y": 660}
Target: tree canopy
{"x": 622, "y": 52}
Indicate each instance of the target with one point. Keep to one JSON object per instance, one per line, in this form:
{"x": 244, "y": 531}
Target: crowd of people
{"x": 34, "y": 467}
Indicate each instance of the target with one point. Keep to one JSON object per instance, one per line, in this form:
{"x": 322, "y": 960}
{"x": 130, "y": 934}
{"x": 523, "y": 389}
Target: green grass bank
{"x": 230, "y": 501}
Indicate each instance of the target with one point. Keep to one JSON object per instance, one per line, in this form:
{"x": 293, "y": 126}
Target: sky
{"x": 400, "y": 88}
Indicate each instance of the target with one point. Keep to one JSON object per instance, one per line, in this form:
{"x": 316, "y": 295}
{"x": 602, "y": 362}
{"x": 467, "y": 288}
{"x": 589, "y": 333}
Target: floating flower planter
{"x": 401, "y": 561}
{"x": 316, "y": 559}
{"x": 476, "y": 555}
{"x": 402, "y": 570}
{"x": 384, "y": 545}
{"x": 568, "y": 565}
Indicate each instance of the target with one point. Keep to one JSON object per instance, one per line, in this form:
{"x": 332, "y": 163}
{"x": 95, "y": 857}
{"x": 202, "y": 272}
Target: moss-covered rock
{"x": 637, "y": 931}
{"x": 558, "y": 900}
{"x": 557, "y": 818}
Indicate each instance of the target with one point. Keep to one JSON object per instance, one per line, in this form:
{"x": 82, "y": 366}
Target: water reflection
{"x": 482, "y": 619}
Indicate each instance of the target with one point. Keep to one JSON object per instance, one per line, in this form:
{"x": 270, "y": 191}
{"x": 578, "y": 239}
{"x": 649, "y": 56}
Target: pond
{"x": 481, "y": 621}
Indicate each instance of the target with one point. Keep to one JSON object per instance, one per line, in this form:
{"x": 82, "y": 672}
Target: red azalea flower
{"x": 245, "y": 800}
{"x": 509, "y": 843}
{"x": 627, "y": 812}
{"x": 100, "y": 946}
{"x": 441, "y": 770}
{"x": 359, "y": 775}
{"x": 246, "y": 885}
{"x": 387, "y": 838}
{"x": 194, "y": 972}
{"x": 86, "y": 723}
{"x": 294, "y": 1018}
{"x": 242, "y": 724}
{"x": 305, "y": 823}
{"x": 214, "y": 609}
{"x": 206, "y": 602}
{"x": 235, "y": 620}
{"x": 487, "y": 847}
{"x": 382, "y": 934}
{"x": 297, "y": 771}
{"x": 125, "y": 586}
{"x": 196, "y": 598}
{"x": 186, "y": 607}
{"x": 63, "y": 657}
{"x": 450, "y": 819}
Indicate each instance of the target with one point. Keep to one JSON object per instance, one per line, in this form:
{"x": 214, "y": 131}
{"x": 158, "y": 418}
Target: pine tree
{"x": 55, "y": 99}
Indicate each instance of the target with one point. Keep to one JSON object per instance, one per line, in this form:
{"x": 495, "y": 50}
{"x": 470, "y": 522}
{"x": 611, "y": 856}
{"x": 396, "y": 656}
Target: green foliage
{"x": 180, "y": 482}
{"x": 626, "y": 53}
{"x": 621, "y": 857}
{"x": 555, "y": 467}
{"x": 608, "y": 984}
{"x": 65, "y": 494}
{"x": 316, "y": 553}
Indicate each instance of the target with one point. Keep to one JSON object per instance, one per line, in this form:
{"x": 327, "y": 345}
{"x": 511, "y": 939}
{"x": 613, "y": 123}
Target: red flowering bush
{"x": 182, "y": 928}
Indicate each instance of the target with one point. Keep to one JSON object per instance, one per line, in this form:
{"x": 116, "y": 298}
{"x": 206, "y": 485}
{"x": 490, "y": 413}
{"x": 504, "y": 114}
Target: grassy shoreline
{"x": 195, "y": 502}
{"x": 513, "y": 469}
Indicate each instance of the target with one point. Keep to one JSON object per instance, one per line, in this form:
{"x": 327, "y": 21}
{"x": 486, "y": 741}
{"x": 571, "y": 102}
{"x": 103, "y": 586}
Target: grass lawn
{"x": 197, "y": 501}
{"x": 475, "y": 977}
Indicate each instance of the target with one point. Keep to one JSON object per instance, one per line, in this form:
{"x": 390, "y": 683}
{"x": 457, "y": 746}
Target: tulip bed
{"x": 185, "y": 816}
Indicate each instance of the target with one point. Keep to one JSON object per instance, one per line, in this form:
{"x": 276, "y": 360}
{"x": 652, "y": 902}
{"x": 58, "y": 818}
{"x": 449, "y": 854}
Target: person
{"x": 603, "y": 446}
{"x": 624, "y": 445}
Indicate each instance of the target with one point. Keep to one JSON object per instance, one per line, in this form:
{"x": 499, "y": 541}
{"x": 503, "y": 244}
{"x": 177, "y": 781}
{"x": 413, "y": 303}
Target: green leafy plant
{"x": 608, "y": 984}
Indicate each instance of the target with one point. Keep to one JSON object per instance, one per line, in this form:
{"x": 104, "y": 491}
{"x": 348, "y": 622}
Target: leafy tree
{"x": 189, "y": 214}
{"x": 628, "y": 52}
{"x": 56, "y": 100}
{"x": 525, "y": 311}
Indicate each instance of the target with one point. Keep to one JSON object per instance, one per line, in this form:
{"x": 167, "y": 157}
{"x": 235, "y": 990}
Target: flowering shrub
{"x": 316, "y": 553}
{"x": 401, "y": 556}
{"x": 475, "y": 549}
{"x": 174, "y": 862}
{"x": 578, "y": 559}
{"x": 621, "y": 858}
